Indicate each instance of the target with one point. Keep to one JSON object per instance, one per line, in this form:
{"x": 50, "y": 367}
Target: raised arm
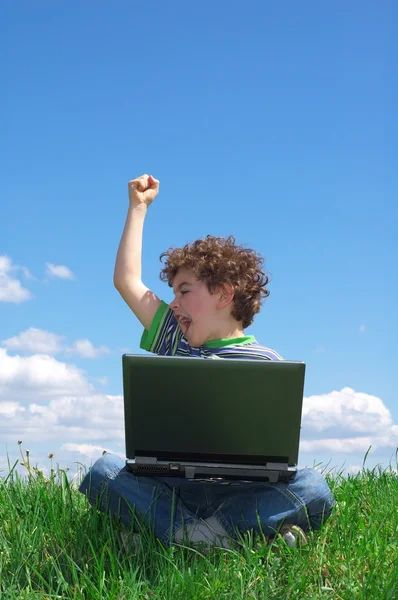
{"x": 127, "y": 276}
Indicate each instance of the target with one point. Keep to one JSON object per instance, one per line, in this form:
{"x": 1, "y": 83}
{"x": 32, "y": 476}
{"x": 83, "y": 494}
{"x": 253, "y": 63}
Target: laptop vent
{"x": 151, "y": 469}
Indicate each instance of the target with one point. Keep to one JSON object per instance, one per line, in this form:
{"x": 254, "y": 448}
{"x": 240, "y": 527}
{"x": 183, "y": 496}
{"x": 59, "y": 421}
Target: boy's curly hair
{"x": 217, "y": 260}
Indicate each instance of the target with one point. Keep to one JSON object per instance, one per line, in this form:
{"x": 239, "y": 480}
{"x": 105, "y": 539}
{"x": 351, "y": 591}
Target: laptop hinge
{"x": 277, "y": 465}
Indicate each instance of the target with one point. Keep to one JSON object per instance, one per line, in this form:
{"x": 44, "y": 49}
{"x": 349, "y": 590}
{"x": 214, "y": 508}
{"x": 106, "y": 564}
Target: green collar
{"x": 247, "y": 339}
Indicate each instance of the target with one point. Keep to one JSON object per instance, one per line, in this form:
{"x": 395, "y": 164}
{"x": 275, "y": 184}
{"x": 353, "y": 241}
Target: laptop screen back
{"x": 222, "y": 410}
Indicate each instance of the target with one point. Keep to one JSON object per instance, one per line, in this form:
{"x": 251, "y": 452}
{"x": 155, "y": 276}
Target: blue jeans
{"x": 167, "y": 503}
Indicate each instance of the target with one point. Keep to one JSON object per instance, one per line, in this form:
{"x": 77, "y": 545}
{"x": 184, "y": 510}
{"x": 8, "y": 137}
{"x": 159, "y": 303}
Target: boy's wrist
{"x": 138, "y": 207}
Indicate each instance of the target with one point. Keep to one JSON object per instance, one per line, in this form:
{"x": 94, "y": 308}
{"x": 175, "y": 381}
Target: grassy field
{"x": 53, "y": 545}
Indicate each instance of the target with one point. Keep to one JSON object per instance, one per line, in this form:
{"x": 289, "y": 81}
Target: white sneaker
{"x": 209, "y": 532}
{"x": 130, "y": 541}
{"x": 293, "y": 535}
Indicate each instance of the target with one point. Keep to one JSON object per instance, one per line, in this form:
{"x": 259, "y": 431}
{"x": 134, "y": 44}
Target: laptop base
{"x": 150, "y": 466}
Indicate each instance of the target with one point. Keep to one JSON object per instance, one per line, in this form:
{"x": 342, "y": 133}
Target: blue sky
{"x": 276, "y": 123}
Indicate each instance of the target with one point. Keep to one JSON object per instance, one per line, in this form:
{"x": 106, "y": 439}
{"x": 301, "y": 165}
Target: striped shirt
{"x": 165, "y": 337}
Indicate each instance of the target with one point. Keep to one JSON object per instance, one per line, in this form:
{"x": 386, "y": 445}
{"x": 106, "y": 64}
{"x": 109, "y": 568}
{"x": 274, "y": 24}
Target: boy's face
{"x": 195, "y": 308}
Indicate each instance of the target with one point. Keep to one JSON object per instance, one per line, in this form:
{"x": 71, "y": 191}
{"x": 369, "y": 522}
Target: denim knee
{"x": 105, "y": 468}
{"x": 313, "y": 490}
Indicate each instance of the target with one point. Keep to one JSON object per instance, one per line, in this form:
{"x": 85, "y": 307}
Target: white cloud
{"x": 39, "y": 376}
{"x": 90, "y": 451}
{"x": 93, "y": 418}
{"x": 35, "y": 340}
{"x": 86, "y": 349}
{"x": 354, "y": 469}
{"x": 346, "y": 445}
{"x": 346, "y": 422}
{"x": 11, "y": 289}
{"x": 60, "y": 271}
{"x": 44, "y": 342}
{"x": 43, "y": 398}
{"x": 10, "y": 409}
{"x": 362, "y": 328}
{"x": 50, "y": 405}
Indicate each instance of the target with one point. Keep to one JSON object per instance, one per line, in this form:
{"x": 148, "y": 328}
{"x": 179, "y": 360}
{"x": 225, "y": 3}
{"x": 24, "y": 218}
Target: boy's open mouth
{"x": 184, "y": 323}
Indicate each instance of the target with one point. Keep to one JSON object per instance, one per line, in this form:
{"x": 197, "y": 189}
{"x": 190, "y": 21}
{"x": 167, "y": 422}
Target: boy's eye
{"x": 184, "y": 292}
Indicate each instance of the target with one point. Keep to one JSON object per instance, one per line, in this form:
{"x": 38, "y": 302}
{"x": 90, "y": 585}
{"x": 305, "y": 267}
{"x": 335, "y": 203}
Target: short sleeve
{"x": 164, "y": 334}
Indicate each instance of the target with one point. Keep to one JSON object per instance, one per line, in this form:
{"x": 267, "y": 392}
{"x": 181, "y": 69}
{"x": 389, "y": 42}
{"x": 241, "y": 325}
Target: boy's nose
{"x": 174, "y": 304}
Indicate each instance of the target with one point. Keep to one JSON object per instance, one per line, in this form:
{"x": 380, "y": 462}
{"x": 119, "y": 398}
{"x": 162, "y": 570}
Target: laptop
{"x": 201, "y": 418}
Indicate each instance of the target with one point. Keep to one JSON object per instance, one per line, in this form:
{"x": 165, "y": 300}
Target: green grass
{"x": 53, "y": 545}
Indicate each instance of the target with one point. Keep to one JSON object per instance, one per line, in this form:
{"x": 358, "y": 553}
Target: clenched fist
{"x": 143, "y": 190}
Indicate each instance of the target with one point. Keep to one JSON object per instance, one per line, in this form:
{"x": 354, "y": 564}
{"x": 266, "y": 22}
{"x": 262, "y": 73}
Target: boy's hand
{"x": 143, "y": 190}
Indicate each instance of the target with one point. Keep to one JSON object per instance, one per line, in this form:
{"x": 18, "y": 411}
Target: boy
{"x": 218, "y": 288}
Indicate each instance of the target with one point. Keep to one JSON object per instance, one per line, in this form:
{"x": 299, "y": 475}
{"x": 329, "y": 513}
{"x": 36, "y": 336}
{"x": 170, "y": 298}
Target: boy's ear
{"x": 226, "y": 293}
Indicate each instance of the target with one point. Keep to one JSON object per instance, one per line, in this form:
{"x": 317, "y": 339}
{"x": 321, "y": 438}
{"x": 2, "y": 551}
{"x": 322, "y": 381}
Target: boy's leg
{"x": 158, "y": 501}
{"x": 111, "y": 487}
{"x": 265, "y": 507}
